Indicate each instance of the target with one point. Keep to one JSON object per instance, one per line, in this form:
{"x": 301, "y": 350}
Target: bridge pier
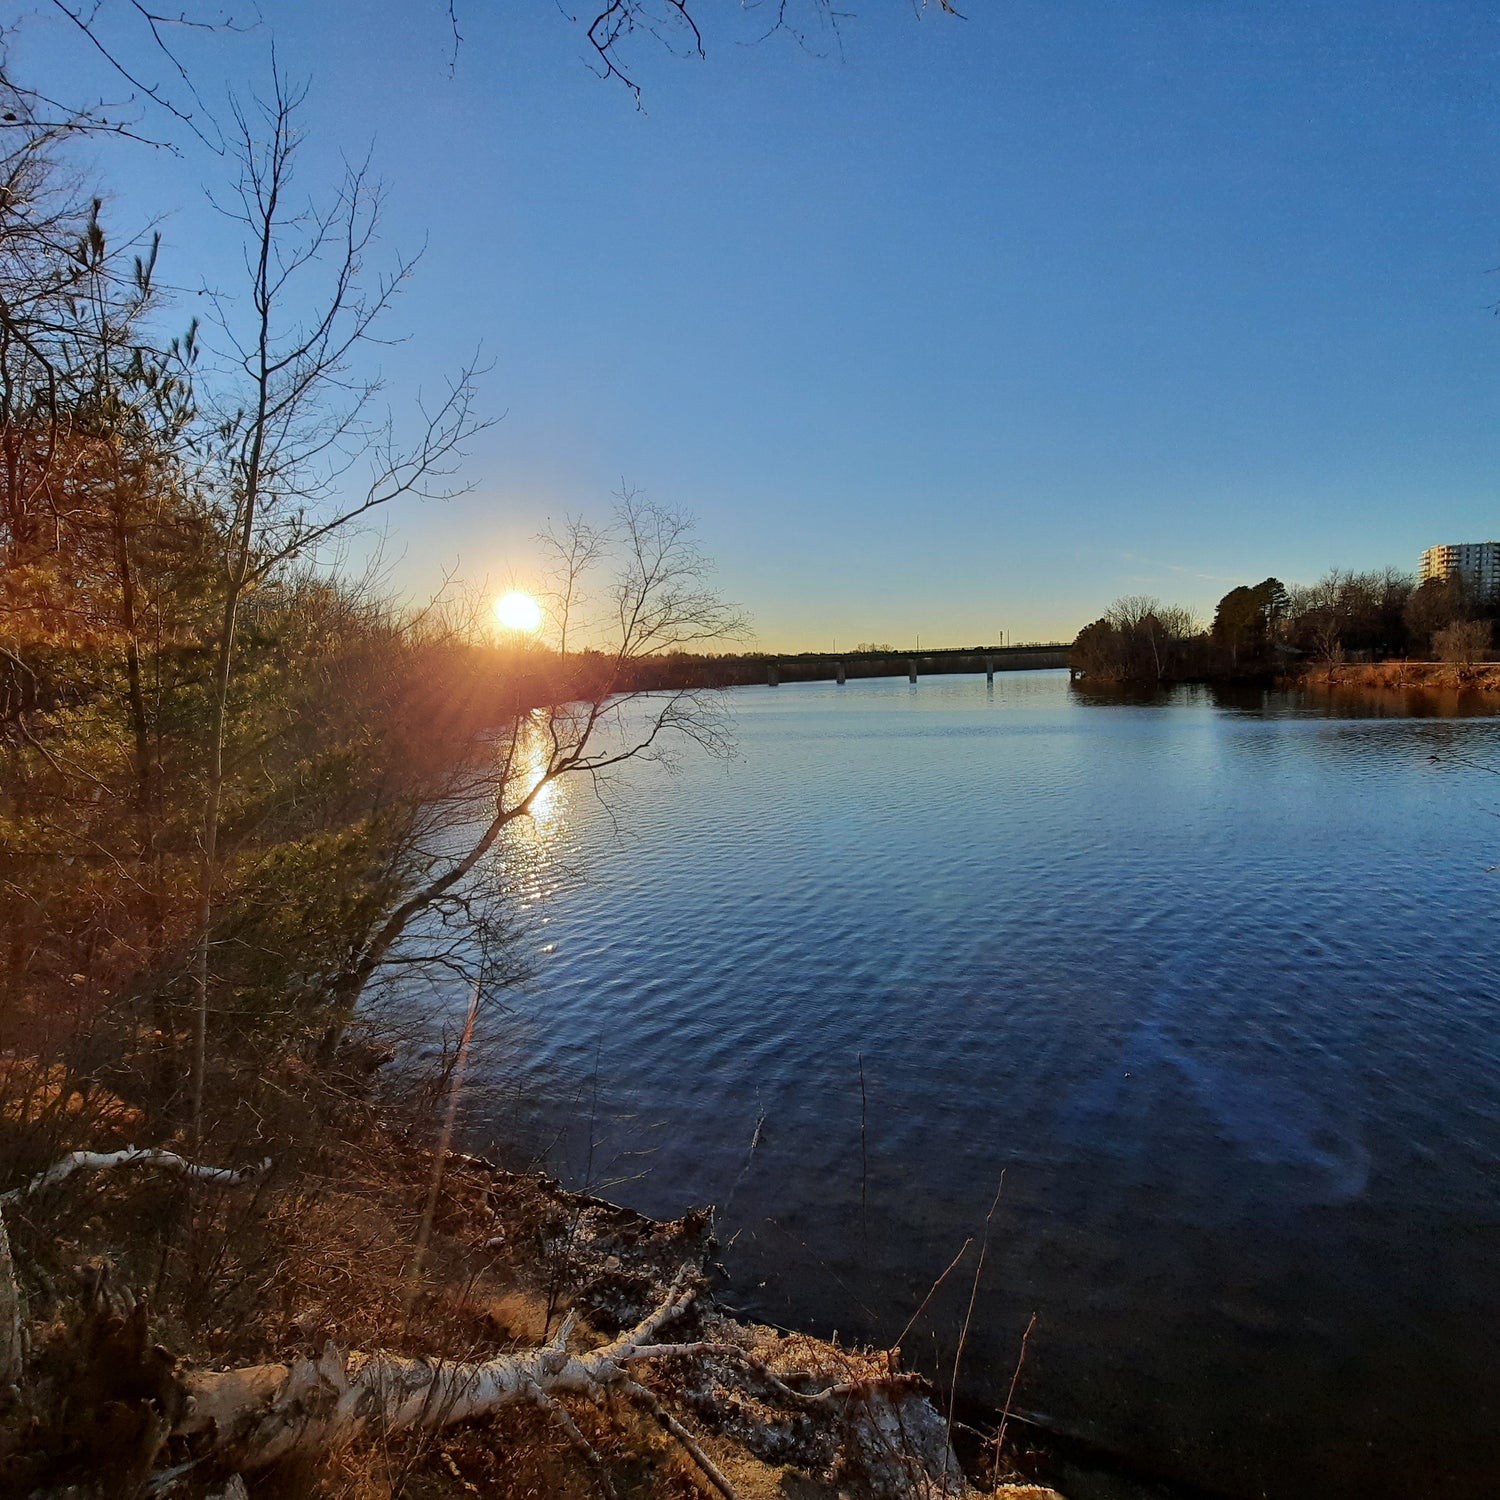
{"x": 911, "y": 671}
{"x": 773, "y": 677}
{"x": 989, "y": 670}
{"x": 841, "y": 674}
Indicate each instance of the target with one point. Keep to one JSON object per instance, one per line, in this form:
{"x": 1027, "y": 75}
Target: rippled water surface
{"x": 1215, "y": 986}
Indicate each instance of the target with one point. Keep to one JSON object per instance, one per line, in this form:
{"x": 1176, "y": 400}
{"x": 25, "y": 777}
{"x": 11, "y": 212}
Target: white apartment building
{"x": 1477, "y": 562}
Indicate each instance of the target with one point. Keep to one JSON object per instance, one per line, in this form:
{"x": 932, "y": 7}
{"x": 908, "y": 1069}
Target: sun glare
{"x": 518, "y": 611}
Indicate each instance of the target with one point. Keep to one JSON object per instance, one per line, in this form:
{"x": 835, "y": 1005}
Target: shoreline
{"x": 399, "y": 1265}
{"x": 1382, "y": 676}
{"x": 1427, "y": 676}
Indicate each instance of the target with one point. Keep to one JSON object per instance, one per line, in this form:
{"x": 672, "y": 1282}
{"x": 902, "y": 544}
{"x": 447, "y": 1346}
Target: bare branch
{"x": 86, "y": 22}
{"x": 653, "y": 598}
{"x": 102, "y": 1161}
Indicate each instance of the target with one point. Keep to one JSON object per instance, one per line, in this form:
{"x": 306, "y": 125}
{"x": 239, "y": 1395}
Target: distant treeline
{"x": 1267, "y": 628}
{"x": 534, "y": 673}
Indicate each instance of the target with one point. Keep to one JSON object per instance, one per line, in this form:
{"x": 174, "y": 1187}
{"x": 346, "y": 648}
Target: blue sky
{"x": 954, "y": 327}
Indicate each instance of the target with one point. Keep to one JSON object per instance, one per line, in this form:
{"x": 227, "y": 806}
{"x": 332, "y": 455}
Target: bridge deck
{"x": 828, "y": 666}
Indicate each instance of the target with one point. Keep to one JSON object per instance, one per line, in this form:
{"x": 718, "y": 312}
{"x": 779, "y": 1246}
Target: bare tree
{"x": 620, "y": 595}
{"x": 1154, "y": 627}
{"x": 1464, "y": 642}
{"x": 1321, "y": 612}
{"x": 285, "y": 474}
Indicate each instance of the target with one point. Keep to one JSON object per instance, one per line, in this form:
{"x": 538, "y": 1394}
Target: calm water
{"x": 1216, "y": 988}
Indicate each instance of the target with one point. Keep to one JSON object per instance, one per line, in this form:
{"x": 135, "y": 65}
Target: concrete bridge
{"x": 831, "y": 666}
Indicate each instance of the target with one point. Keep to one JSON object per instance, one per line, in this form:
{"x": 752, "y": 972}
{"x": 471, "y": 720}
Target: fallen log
{"x": 260, "y": 1415}
{"x": 132, "y": 1156}
{"x": 829, "y": 1412}
{"x": 252, "y": 1418}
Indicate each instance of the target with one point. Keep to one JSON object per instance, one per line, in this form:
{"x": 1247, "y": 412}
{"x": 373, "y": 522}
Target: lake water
{"x": 1215, "y": 985}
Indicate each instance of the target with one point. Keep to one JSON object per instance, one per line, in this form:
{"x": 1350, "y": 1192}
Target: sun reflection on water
{"x": 527, "y": 857}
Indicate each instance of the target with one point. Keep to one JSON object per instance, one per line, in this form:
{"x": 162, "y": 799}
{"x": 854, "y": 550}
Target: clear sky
{"x": 946, "y": 327}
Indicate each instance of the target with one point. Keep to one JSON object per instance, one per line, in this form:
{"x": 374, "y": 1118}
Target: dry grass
{"x": 326, "y": 1249}
{"x": 521, "y": 1454}
{"x": 1429, "y": 676}
{"x": 237, "y": 1276}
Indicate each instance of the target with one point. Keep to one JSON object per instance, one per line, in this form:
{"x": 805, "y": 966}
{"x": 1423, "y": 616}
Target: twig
{"x": 563, "y": 1418}
{"x": 711, "y": 1470}
{"x": 1010, "y": 1396}
{"x": 963, "y": 1335}
{"x": 864, "y": 1158}
{"x": 931, "y": 1293}
{"x": 808, "y": 1400}
{"x": 455, "y": 1089}
{"x": 756, "y": 1136}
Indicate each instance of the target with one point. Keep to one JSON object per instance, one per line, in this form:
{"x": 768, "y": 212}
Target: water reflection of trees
{"x": 1316, "y": 700}
{"x": 1344, "y": 701}
{"x": 1099, "y": 694}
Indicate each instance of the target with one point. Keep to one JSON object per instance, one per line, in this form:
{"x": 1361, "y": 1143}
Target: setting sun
{"x": 518, "y": 611}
